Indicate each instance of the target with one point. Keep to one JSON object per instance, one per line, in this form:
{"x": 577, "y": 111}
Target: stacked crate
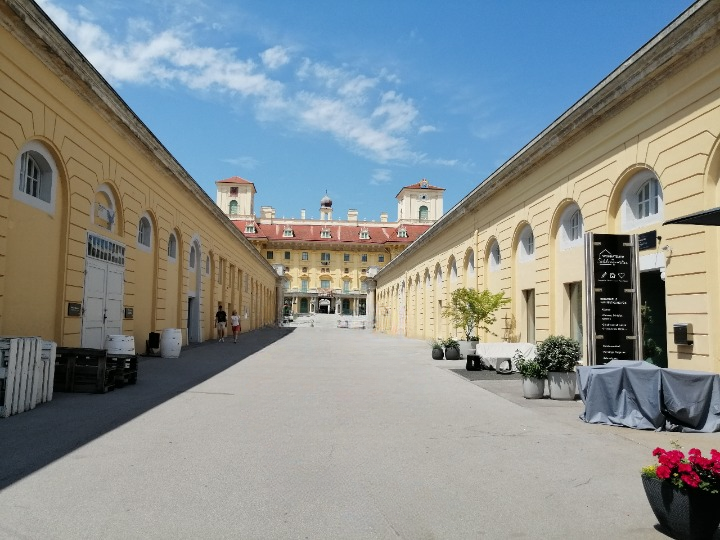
{"x": 93, "y": 370}
{"x": 26, "y": 373}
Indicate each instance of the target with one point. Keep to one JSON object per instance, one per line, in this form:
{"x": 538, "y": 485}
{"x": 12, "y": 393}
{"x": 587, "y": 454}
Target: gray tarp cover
{"x": 642, "y": 396}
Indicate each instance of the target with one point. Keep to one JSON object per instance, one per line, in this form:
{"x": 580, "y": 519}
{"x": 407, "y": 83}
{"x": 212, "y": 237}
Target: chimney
{"x": 267, "y": 212}
{"x": 352, "y": 215}
{"x": 383, "y": 217}
{"x": 302, "y": 214}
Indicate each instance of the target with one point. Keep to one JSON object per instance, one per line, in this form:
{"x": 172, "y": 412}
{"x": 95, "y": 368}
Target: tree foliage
{"x": 471, "y": 310}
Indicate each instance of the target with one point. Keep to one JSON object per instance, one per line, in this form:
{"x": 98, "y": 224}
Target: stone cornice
{"x": 690, "y": 36}
{"x": 35, "y": 30}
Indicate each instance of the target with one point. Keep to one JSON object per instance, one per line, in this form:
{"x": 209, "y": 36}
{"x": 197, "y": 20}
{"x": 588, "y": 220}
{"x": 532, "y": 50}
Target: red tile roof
{"x": 338, "y": 233}
{"x": 418, "y": 186}
{"x": 234, "y": 180}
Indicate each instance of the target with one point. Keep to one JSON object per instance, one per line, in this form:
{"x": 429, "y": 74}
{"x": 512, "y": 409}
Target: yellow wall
{"x": 672, "y": 131}
{"x": 96, "y": 153}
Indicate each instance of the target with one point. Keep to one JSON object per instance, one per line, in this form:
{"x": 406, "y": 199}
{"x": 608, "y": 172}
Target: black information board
{"x": 647, "y": 240}
{"x": 613, "y": 271}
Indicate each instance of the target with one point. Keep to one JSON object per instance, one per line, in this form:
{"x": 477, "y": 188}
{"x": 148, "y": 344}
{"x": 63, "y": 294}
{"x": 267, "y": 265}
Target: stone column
{"x": 370, "y": 303}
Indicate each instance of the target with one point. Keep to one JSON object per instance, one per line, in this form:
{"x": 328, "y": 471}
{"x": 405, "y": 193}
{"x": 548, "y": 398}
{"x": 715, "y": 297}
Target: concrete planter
{"x": 562, "y": 385}
{"x": 533, "y": 388}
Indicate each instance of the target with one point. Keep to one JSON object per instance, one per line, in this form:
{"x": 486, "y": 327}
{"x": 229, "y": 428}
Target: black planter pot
{"x": 688, "y": 513}
{"x": 451, "y": 353}
{"x": 437, "y": 354}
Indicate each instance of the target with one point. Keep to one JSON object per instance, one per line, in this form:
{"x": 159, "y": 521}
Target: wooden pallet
{"x": 26, "y": 372}
{"x": 83, "y": 370}
{"x": 125, "y": 367}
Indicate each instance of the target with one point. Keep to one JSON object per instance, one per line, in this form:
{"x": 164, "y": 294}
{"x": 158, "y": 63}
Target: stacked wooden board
{"x": 92, "y": 370}
{"x": 27, "y": 371}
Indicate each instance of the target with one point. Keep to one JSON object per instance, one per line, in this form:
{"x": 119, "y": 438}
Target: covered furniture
{"x": 643, "y": 396}
{"x": 494, "y": 355}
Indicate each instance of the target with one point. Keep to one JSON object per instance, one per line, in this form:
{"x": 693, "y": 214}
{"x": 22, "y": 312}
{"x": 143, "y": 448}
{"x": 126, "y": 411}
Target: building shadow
{"x": 36, "y": 438}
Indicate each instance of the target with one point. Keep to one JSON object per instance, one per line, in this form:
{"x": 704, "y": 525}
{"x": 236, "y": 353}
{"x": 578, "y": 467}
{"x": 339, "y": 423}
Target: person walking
{"x": 220, "y": 323}
{"x": 235, "y": 323}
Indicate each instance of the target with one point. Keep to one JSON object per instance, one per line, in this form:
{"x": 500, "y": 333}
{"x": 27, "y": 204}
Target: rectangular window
{"x": 270, "y": 255}
{"x": 346, "y": 257}
{"x": 381, "y": 258}
{"x": 363, "y": 257}
{"x": 529, "y": 298}
{"x": 346, "y": 286}
{"x": 574, "y": 298}
{"x": 363, "y": 287}
{"x": 304, "y": 285}
{"x": 325, "y": 283}
{"x": 234, "y": 190}
{"x": 324, "y": 259}
{"x": 304, "y": 255}
{"x": 287, "y": 255}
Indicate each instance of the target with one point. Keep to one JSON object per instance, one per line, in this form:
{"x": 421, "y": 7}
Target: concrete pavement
{"x": 320, "y": 433}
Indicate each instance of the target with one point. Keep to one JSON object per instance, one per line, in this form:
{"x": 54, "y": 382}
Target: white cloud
{"x": 245, "y": 162}
{"x": 380, "y": 176}
{"x": 364, "y": 113}
{"x": 426, "y": 129}
{"x": 275, "y": 57}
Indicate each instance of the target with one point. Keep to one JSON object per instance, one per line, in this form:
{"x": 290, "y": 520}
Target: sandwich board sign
{"x": 613, "y": 298}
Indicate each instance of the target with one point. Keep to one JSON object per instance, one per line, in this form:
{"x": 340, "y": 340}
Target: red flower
{"x": 663, "y": 472}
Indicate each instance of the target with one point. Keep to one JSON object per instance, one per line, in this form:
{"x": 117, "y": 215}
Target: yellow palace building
{"x": 639, "y": 149}
{"x": 326, "y": 263}
{"x": 102, "y": 231}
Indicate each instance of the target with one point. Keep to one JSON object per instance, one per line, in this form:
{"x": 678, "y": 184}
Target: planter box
{"x": 562, "y": 385}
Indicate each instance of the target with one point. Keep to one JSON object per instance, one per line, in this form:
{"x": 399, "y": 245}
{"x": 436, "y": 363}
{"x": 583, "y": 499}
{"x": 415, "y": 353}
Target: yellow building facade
{"x": 641, "y": 148}
{"x": 102, "y": 231}
{"x": 325, "y": 262}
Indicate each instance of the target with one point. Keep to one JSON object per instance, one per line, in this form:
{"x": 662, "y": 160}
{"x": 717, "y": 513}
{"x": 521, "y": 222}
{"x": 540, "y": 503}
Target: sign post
{"x": 613, "y": 298}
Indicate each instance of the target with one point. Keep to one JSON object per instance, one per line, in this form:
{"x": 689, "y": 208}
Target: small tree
{"x": 470, "y": 309}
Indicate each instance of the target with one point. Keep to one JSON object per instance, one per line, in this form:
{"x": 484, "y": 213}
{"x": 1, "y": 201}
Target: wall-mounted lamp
{"x": 667, "y": 249}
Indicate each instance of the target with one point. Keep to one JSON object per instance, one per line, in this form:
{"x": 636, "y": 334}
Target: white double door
{"x": 103, "y": 302}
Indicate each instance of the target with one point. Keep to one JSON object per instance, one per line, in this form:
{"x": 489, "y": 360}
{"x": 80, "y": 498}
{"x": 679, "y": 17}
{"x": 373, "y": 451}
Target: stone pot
{"x": 451, "y": 353}
{"x": 533, "y": 388}
{"x": 687, "y": 513}
{"x": 437, "y": 354}
{"x": 562, "y": 385}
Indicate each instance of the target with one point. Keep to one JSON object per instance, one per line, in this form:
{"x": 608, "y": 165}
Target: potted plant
{"x": 559, "y": 355}
{"x": 684, "y": 492}
{"x": 533, "y": 376}
{"x": 437, "y": 349}
{"x": 452, "y": 349}
{"x": 470, "y": 311}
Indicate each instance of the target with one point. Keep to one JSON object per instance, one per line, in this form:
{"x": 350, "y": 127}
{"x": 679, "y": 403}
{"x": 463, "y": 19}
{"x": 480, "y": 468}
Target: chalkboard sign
{"x": 74, "y": 309}
{"x": 128, "y": 313}
{"x": 613, "y": 300}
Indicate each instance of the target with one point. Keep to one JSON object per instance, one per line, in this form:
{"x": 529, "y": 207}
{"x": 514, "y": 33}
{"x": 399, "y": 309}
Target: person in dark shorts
{"x": 220, "y": 323}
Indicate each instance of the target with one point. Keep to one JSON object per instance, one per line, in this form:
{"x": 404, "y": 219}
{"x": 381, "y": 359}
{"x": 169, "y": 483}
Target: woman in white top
{"x": 235, "y": 323}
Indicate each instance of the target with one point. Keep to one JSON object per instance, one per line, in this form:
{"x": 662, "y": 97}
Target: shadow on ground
{"x": 34, "y": 439}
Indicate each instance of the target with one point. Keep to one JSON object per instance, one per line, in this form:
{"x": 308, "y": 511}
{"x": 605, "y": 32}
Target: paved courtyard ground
{"x": 320, "y": 433}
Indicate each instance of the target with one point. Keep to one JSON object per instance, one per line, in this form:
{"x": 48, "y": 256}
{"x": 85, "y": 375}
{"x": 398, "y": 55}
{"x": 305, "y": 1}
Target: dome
{"x": 326, "y": 202}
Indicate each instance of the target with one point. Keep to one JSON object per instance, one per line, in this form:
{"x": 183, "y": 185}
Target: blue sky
{"x": 357, "y": 98}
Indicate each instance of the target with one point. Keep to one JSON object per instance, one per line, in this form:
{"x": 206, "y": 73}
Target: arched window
{"x": 642, "y": 201}
{"x": 172, "y": 247}
{"x": 144, "y": 232}
{"x": 233, "y": 208}
{"x": 423, "y": 213}
{"x": 571, "y": 227}
{"x": 494, "y": 259}
{"x": 526, "y": 249}
{"x": 193, "y": 256}
{"x": 36, "y": 176}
